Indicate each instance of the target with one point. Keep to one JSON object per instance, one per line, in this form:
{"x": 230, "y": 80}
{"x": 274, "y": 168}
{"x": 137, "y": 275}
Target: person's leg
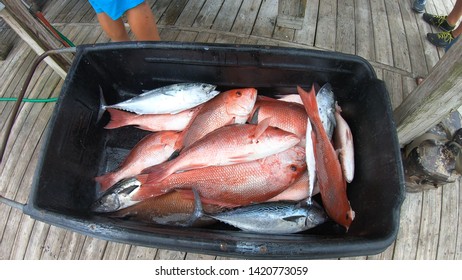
{"x": 115, "y": 29}
{"x": 142, "y": 22}
{"x": 455, "y": 14}
{"x": 456, "y": 32}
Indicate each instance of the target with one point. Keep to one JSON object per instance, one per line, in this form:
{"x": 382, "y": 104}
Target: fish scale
{"x": 237, "y": 184}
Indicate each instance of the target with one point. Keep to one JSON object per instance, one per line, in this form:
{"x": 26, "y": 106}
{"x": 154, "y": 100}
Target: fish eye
{"x": 238, "y": 93}
{"x": 293, "y": 168}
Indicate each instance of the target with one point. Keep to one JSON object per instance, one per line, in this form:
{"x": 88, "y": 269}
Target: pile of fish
{"x": 247, "y": 160}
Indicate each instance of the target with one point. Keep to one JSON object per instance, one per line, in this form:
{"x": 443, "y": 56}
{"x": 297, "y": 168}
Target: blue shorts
{"x": 114, "y": 8}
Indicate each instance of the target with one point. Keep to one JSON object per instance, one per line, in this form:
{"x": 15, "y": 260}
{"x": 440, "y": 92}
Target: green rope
{"x": 33, "y": 100}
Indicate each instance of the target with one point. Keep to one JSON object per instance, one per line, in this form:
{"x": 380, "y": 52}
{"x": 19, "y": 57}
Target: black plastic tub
{"x": 78, "y": 148}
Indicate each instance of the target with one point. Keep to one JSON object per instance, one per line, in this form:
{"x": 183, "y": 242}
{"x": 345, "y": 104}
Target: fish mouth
{"x": 117, "y": 197}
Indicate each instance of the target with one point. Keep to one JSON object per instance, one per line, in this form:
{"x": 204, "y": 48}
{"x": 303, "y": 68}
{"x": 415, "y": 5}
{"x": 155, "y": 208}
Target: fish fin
{"x": 293, "y": 218}
{"x": 188, "y": 194}
{"x": 119, "y": 118}
{"x": 254, "y": 119}
{"x": 260, "y": 129}
{"x": 158, "y": 172}
{"x": 107, "y": 180}
{"x": 146, "y": 190}
{"x": 198, "y": 210}
{"x": 102, "y": 107}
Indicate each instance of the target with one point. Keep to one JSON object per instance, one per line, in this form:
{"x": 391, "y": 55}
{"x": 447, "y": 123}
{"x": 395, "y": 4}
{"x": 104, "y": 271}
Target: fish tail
{"x": 119, "y": 118}
{"x": 198, "y": 210}
{"x": 309, "y": 101}
{"x": 107, "y": 180}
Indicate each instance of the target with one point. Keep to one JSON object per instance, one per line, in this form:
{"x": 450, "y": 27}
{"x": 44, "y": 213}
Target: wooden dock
{"x": 385, "y": 32}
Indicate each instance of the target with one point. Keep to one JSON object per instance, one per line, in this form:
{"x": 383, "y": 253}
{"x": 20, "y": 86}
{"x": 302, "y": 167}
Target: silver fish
{"x": 326, "y": 107}
{"x": 281, "y": 217}
{"x": 170, "y": 99}
{"x": 117, "y": 197}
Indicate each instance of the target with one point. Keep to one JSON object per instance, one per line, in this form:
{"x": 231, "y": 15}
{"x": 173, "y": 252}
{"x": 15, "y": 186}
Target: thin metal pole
{"x": 23, "y": 91}
{"x": 12, "y": 203}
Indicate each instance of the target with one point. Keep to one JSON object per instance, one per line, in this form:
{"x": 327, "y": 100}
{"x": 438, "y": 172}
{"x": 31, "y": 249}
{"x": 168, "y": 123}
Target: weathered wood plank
{"x": 207, "y": 14}
{"x": 76, "y": 11}
{"x": 186, "y": 36}
{"x": 72, "y": 246}
{"x": 430, "y": 51}
{"x": 246, "y": 17}
{"x": 169, "y": 35}
{"x": 409, "y": 84}
{"x": 385, "y": 255}
{"x": 327, "y": 22}
{"x": 202, "y": 37}
{"x": 36, "y": 241}
{"x": 225, "y": 17}
{"x": 225, "y": 39}
{"x": 10, "y": 87}
{"x": 283, "y": 33}
{"x": 189, "y": 13}
{"x": 62, "y": 11}
{"x": 163, "y": 254}
{"x": 382, "y": 40}
{"x": 192, "y": 256}
{"x": 430, "y": 225}
{"x": 93, "y": 249}
{"x": 414, "y": 36}
{"x": 306, "y": 35}
{"x": 10, "y": 70}
{"x": 53, "y": 243}
{"x": 116, "y": 251}
{"x": 142, "y": 253}
{"x": 248, "y": 41}
{"x": 458, "y": 254}
{"x": 364, "y": 30}
{"x": 21, "y": 239}
{"x": 9, "y": 230}
{"x": 159, "y": 8}
{"x": 434, "y": 99}
{"x": 449, "y": 218}
{"x": 86, "y": 14}
{"x": 345, "y": 39}
{"x": 291, "y": 13}
{"x": 21, "y": 134}
{"x": 21, "y": 176}
{"x": 266, "y": 19}
{"x": 409, "y": 227}
{"x": 394, "y": 86}
{"x": 400, "y": 50}
{"x": 53, "y": 10}
{"x": 171, "y": 14}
